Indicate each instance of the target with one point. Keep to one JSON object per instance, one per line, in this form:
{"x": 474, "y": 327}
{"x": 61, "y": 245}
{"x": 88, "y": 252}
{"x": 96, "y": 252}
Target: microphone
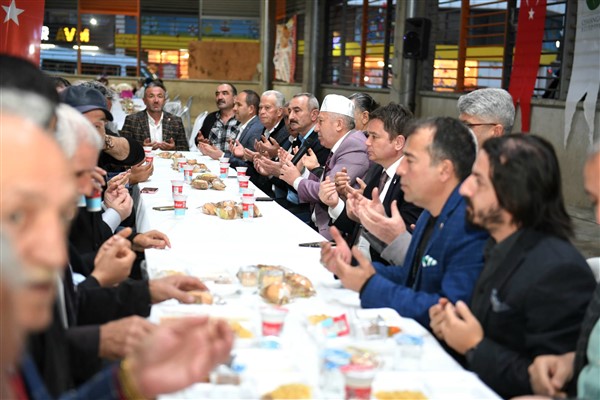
{"x": 304, "y": 148}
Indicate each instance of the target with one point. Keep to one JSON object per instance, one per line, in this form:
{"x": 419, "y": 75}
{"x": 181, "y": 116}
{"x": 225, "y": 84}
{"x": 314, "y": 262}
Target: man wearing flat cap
{"x": 335, "y": 126}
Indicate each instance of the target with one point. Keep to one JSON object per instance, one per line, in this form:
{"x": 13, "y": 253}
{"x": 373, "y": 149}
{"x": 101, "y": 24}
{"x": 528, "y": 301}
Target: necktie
{"x": 327, "y": 167}
{"x": 382, "y": 181}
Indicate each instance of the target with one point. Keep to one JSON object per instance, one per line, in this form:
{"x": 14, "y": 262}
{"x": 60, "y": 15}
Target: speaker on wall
{"x": 416, "y": 38}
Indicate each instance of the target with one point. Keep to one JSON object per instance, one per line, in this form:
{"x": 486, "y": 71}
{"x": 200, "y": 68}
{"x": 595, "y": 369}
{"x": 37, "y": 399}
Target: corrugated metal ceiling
{"x": 226, "y": 8}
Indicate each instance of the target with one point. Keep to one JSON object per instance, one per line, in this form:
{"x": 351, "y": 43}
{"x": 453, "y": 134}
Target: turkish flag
{"x": 528, "y": 48}
{"x": 21, "y": 31}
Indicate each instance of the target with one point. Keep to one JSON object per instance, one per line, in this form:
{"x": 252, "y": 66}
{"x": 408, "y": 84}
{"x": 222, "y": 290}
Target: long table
{"x": 207, "y": 247}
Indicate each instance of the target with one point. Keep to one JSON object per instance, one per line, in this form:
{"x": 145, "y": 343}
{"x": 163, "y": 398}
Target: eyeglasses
{"x": 482, "y": 124}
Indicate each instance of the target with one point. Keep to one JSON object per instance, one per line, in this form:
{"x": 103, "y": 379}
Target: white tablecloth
{"x": 206, "y": 246}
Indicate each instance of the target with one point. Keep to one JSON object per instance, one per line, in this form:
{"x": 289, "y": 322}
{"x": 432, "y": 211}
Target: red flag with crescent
{"x": 528, "y": 49}
{"x": 21, "y": 31}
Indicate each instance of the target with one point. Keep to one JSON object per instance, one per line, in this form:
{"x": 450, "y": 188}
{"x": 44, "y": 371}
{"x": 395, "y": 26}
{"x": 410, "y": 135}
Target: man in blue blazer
{"x": 445, "y": 256}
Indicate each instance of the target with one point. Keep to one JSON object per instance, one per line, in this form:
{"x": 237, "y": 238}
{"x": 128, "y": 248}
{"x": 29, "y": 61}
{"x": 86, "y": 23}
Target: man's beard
{"x": 485, "y": 219}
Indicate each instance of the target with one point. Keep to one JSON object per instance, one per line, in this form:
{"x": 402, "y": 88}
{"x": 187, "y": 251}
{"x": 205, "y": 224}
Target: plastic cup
{"x": 241, "y": 171}
{"x": 247, "y": 207}
{"x": 188, "y": 170}
{"x": 181, "y": 163}
{"x": 180, "y": 204}
{"x": 147, "y": 149}
{"x": 248, "y": 275}
{"x": 93, "y": 202}
{"x": 224, "y": 159}
{"x": 357, "y": 381}
{"x": 149, "y": 158}
{"x": 272, "y": 320}
{"x": 223, "y": 170}
{"x": 177, "y": 187}
{"x": 243, "y": 182}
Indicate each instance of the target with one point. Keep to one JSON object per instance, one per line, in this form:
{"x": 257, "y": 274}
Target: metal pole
{"x": 363, "y": 41}
{"x": 407, "y": 74}
{"x": 386, "y": 44}
{"x": 78, "y": 38}
{"x": 266, "y": 45}
{"x": 139, "y": 39}
{"x": 200, "y": 6}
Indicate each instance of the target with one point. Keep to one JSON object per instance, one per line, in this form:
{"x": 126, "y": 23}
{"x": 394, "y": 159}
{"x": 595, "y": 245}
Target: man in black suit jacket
{"x": 385, "y": 144}
{"x": 153, "y": 126}
{"x": 303, "y": 110}
{"x": 535, "y": 286}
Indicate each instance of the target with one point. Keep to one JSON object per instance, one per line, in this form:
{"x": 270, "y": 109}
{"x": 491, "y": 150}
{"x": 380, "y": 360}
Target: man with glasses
{"x": 488, "y": 112}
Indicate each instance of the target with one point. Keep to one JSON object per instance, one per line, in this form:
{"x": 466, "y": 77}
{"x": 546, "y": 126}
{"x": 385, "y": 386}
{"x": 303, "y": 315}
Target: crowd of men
{"x": 454, "y": 222}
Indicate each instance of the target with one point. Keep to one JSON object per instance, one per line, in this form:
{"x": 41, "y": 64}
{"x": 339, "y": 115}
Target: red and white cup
{"x": 241, "y": 171}
{"x": 272, "y": 320}
{"x": 147, "y": 149}
{"x": 188, "y": 171}
{"x": 247, "y": 207}
{"x": 179, "y": 201}
{"x": 243, "y": 182}
{"x": 223, "y": 170}
{"x": 181, "y": 163}
{"x": 176, "y": 187}
{"x": 149, "y": 158}
{"x": 94, "y": 201}
{"x": 358, "y": 380}
{"x": 224, "y": 159}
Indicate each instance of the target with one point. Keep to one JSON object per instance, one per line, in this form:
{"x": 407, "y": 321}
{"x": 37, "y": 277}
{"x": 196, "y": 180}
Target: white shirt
{"x": 155, "y": 128}
{"x": 335, "y": 212}
{"x": 270, "y": 131}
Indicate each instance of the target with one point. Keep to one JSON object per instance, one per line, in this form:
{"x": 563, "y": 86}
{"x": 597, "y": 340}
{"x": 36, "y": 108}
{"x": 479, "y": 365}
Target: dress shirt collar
{"x": 339, "y": 142}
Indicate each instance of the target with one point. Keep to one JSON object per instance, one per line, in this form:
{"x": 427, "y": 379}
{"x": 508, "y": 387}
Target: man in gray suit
{"x": 335, "y": 126}
{"x": 245, "y": 109}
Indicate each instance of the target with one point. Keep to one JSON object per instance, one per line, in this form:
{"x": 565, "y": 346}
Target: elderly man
{"x": 35, "y": 213}
{"x": 576, "y": 372}
{"x": 533, "y": 292}
{"x": 154, "y": 126}
{"x": 302, "y": 110}
{"x": 445, "y": 256}
{"x": 385, "y": 145}
{"x": 335, "y": 126}
{"x": 220, "y": 127}
{"x": 245, "y": 109}
{"x": 489, "y": 112}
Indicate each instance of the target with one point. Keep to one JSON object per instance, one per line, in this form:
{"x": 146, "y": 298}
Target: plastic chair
{"x": 176, "y": 98}
{"x": 195, "y": 129}
{"x": 173, "y": 107}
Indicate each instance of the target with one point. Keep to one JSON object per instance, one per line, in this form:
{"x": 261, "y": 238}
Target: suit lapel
{"x": 144, "y": 124}
{"x": 246, "y": 130}
{"x": 391, "y": 194}
{"x": 501, "y": 275}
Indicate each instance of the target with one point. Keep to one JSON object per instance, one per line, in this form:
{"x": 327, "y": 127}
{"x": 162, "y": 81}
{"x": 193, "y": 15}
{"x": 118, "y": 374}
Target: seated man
{"x": 245, "y": 109}
{"x": 576, "y": 372}
{"x": 153, "y": 126}
{"x": 335, "y": 127}
{"x": 533, "y": 292}
{"x": 220, "y": 127}
{"x": 445, "y": 256}
{"x": 385, "y": 144}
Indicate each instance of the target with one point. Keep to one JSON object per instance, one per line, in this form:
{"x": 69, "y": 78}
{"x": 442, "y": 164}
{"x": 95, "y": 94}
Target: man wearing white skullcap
{"x": 335, "y": 126}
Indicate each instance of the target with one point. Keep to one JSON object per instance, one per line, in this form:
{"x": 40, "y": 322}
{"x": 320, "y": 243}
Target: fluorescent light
{"x": 88, "y": 48}
{"x": 47, "y": 46}
{"x": 93, "y": 21}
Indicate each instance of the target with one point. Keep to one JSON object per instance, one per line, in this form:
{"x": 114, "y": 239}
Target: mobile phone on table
{"x": 263, "y": 199}
{"x": 313, "y": 244}
{"x": 164, "y": 208}
{"x": 149, "y": 190}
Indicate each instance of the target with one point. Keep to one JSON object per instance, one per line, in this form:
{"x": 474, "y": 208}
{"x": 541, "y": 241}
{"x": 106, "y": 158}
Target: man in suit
{"x": 576, "y": 372}
{"x": 335, "y": 127}
{"x": 302, "y": 110}
{"x": 220, "y": 127}
{"x": 245, "y": 109}
{"x": 153, "y": 126}
{"x": 445, "y": 256}
{"x": 385, "y": 144}
{"x": 34, "y": 214}
{"x": 533, "y": 292}
{"x": 274, "y": 136}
